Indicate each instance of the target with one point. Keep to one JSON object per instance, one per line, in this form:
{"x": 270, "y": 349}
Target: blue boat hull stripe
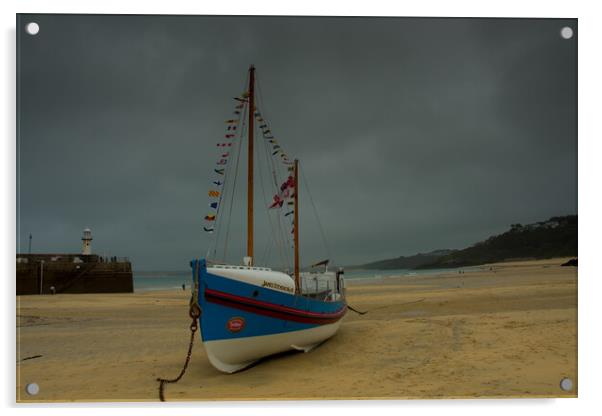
{"x": 271, "y": 309}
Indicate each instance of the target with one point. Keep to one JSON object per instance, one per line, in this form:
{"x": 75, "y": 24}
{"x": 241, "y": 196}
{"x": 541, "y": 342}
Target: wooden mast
{"x": 250, "y": 164}
{"x": 296, "y": 227}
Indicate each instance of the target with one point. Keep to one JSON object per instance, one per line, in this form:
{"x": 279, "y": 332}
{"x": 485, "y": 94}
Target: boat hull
{"x": 231, "y": 355}
{"x": 242, "y": 322}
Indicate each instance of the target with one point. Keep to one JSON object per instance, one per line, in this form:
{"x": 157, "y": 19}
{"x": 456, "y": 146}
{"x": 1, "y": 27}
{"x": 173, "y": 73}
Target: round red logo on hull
{"x": 235, "y": 324}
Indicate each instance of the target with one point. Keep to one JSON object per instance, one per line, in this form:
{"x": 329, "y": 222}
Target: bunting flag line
{"x": 285, "y": 188}
{"x": 231, "y": 127}
{"x": 277, "y": 202}
{"x": 289, "y": 184}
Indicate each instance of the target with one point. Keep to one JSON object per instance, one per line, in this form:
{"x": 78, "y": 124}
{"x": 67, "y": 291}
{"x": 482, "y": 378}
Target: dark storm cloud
{"x": 414, "y": 134}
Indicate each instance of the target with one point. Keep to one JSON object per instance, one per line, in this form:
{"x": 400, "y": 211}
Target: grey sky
{"x": 414, "y": 134}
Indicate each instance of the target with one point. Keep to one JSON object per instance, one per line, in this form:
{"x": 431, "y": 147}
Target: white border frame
{"x": 590, "y": 91}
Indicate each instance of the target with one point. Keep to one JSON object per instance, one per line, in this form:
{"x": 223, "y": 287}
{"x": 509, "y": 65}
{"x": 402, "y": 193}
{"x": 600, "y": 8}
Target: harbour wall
{"x": 73, "y": 273}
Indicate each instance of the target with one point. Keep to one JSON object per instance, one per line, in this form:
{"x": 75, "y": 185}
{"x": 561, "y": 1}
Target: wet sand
{"x": 506, "y": 332}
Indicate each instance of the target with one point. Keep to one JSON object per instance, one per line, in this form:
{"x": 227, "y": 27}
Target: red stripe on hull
{"x": 271, "y": 309}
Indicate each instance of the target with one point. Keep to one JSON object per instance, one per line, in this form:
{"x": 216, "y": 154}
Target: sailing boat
{"x": 250, "y": 312}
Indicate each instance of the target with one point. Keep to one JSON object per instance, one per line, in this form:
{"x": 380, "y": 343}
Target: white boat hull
{"x": 231, "y": 355}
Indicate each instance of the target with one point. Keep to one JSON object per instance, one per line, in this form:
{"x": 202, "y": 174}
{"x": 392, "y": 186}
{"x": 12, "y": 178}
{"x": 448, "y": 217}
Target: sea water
{"x": 144, "y": 281}
{"x": 376, "y": 274}
{"x": 151, "y": 280}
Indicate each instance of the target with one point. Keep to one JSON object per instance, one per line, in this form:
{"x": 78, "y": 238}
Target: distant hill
{"x": 409, "y": 262}
{"x": 556, "y": 237}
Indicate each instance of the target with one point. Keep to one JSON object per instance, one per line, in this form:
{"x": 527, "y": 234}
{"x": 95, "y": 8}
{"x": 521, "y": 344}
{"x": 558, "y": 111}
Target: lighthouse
{"x": 87, "y": 238}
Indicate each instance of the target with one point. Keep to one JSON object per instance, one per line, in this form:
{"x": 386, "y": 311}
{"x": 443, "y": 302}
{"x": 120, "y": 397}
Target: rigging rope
{"x": 276, "y": 163}
{"x": 225, "y": 189}
{"x": 324, "y": 240}
{"x": 285, "y": 242}
{"x": 214, "y": 242}
{"x": 264, "y": 112}
{"x": 244, "y": 125}
{"x": 279, "y": 234}
{"x": 265, "y": 204}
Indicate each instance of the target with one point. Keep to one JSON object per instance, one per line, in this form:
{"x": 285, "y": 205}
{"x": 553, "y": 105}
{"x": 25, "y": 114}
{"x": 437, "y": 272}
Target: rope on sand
{"x": 356, "y": 311}
{"x": 385, "y": 306}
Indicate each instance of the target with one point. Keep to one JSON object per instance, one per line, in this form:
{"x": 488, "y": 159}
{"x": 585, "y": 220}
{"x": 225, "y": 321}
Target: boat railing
{"x": 228, "y": 267}
{"x": 321, "y": 287}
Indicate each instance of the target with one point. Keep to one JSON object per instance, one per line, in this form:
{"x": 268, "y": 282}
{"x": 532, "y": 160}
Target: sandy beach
{"x": 502, "y": 330}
